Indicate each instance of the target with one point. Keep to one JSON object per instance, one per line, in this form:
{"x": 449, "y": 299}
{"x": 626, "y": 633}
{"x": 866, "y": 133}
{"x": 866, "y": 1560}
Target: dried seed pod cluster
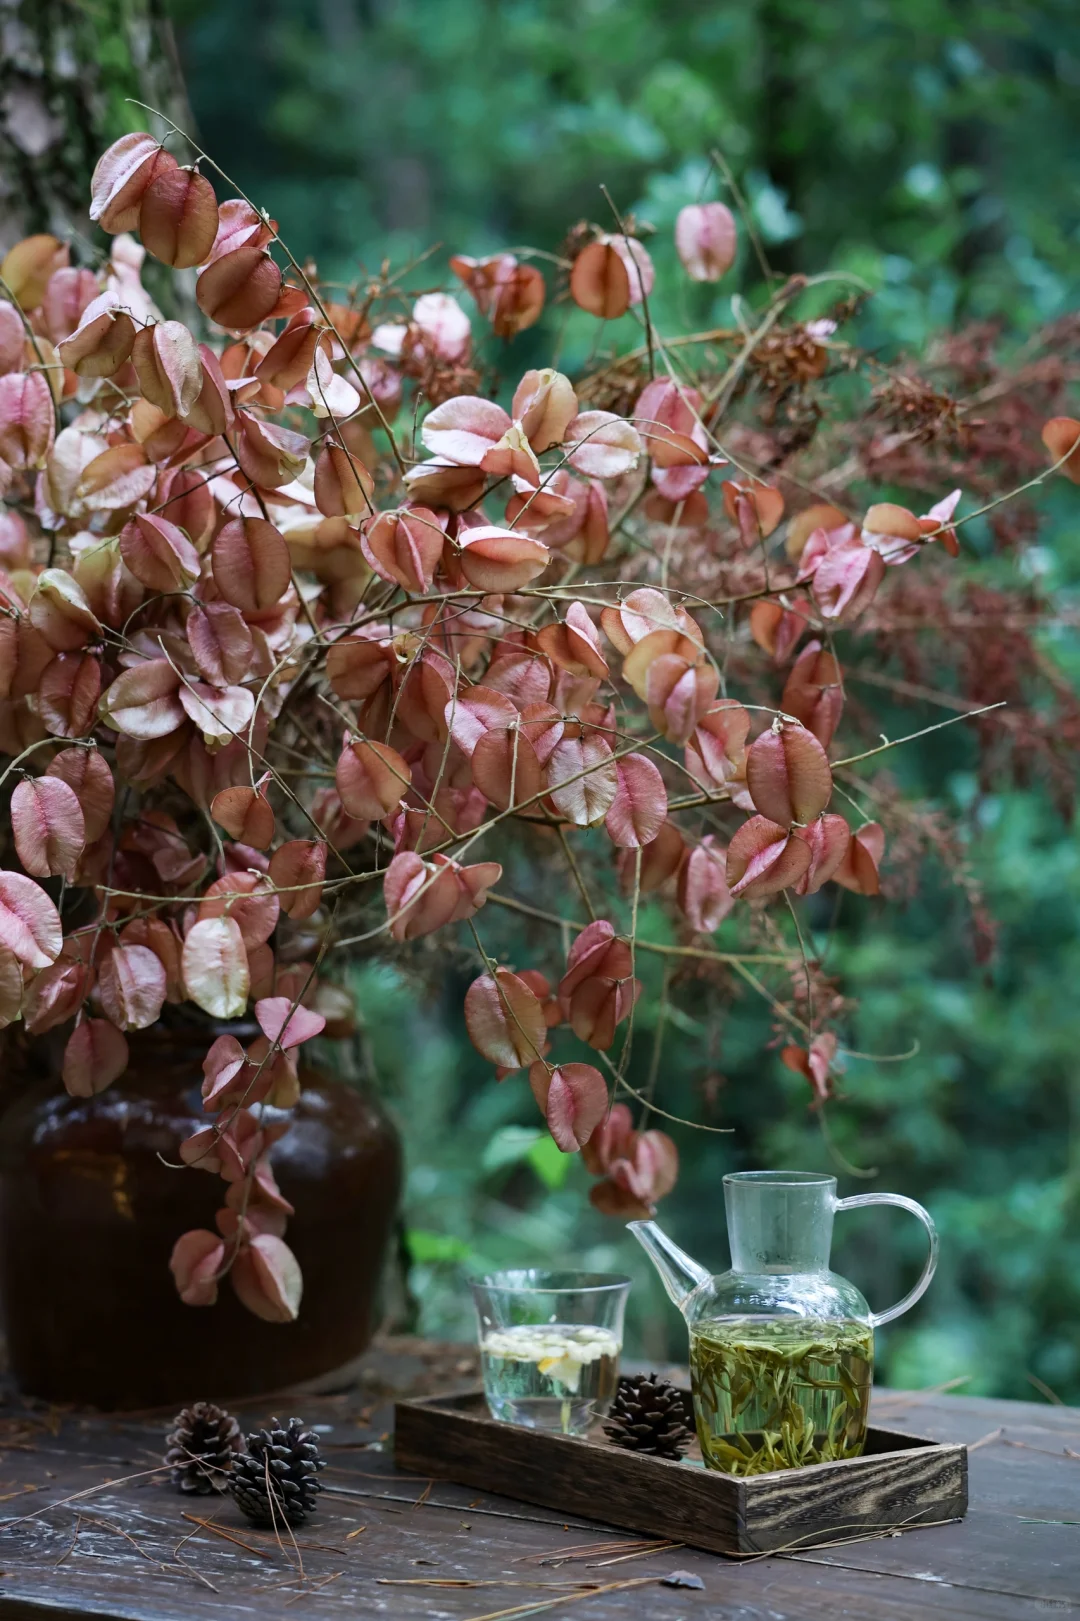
{"x": 277, "y": 678}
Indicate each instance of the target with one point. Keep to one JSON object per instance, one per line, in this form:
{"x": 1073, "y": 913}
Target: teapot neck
{"x": 779, "y": 1221}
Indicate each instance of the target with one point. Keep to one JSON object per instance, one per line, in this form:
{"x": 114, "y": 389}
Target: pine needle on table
{"x": 568, "y": 1598}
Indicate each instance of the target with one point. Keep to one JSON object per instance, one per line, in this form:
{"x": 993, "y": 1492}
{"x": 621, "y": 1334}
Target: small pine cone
{"x": 202, "y": 1444}
{"x": 649, "y": 1415}
{"x": 277, "y": 1478}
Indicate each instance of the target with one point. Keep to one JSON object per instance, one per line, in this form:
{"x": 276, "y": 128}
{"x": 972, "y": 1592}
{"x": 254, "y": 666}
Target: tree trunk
{"x": 66, "y": 71}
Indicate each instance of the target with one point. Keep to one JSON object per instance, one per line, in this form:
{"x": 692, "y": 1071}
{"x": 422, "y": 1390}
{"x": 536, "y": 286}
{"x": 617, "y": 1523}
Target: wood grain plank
{"x": 559, "y": 1472}
{"x": 990, "y": 1567}
{"x": 902, "y": 1483}
{"x": 902, "y": 1489}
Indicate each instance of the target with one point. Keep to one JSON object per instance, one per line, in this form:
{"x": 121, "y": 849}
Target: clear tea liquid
{"x": 779, "y": 1393}
{"x": 553, "y": 1376}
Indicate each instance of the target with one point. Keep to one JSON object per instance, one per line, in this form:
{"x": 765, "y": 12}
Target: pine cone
{"x": 649, "y": 1415}
{"x": 277, "y": 1478}
{"x": 202, "y": 1444}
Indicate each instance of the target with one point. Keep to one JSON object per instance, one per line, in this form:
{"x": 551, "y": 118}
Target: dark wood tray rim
{"x": 459, "y": 1402}
{"x": 902, "y": 1482}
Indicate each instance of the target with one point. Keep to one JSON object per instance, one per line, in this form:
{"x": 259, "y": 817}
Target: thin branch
{"x": 640, "y": 279}
{"x": 805, "y": 963}
{"x": 853, "y": 759}
{"x": 297, "y": 267}
{"x": 575, "y": 869}
{"x": 660, "y": 950}
{"x": 717, "y": 157}
{"x": 657, "y": 1047}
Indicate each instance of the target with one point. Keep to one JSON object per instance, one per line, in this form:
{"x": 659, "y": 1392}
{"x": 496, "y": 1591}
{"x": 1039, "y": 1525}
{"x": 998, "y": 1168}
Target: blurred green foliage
{"x": 932, "y": 146}
{"x": 933, "y": 140}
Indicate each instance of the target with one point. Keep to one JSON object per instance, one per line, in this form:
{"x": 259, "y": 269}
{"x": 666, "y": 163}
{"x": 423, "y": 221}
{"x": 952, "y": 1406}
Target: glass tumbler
{"x": 549, "y": 1345}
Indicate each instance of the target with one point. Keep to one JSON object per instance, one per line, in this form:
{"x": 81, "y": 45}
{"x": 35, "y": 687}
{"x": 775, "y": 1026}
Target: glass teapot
{"x": 781, "y": 1349}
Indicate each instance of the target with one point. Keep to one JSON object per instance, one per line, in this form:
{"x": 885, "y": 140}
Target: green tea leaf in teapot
{"x": 780, "y": 1394}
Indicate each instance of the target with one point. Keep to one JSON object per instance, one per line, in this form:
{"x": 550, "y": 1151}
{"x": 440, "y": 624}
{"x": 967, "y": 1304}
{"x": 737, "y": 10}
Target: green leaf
{"x": 549, "y": 1162}
{"x": 424, "y": 1246}
{"x": 509, "y": 1146}
{"x": 515, "y": 1145}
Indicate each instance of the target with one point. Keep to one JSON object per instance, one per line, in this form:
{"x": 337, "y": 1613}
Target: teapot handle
{"x": 857, "y": 1203}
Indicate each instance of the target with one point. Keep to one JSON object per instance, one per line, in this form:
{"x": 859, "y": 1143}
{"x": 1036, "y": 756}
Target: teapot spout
{"x": 678, "y": 1273}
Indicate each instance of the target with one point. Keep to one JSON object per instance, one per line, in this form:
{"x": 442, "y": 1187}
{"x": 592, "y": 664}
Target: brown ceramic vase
{"x": 89, "y": 1215}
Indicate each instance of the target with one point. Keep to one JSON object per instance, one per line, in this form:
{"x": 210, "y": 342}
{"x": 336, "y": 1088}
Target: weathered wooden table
{"x": 92, "y": 1530}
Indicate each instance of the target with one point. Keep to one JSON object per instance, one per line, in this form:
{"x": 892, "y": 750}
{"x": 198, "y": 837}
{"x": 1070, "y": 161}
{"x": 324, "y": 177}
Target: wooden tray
{"x": 900, "y": 1482}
